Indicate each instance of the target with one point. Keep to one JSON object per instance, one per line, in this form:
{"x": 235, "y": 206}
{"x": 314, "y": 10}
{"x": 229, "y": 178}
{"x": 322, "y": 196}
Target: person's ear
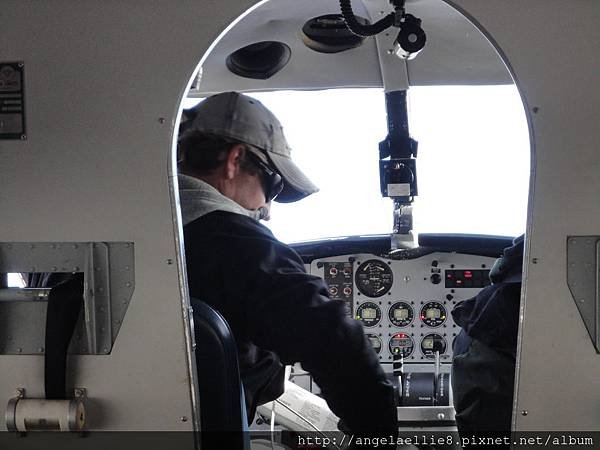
{"x": 233, "y": 161}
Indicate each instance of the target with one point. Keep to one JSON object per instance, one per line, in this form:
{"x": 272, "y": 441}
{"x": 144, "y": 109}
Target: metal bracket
{"x": 426, "y": 414}
{"x": 23, "y": 415}
{"x": 11, "y": 410}
{"x": 109, "y": 281}
{"x": 583, "y": 279}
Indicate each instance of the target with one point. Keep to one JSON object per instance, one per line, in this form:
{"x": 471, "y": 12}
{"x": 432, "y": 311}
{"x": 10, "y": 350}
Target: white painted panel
{"x": 552, "y": 46}
{"x": 103, "y": 86}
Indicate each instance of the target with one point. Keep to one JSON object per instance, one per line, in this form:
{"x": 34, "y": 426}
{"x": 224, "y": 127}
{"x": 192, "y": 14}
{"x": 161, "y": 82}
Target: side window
{"x": 15, "y": 280}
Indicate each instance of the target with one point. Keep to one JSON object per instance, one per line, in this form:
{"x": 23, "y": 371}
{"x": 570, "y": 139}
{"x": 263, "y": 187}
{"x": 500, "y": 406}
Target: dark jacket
{"x": 280, "y": 315}
{"x": 483, "y": 368}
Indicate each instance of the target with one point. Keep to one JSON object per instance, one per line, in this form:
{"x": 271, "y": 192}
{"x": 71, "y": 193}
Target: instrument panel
{"x": 405, "y": 305}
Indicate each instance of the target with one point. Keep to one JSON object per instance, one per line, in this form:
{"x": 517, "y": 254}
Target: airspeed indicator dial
{"x": 401, "y": 314}
{"x": 374, "y": 278}
{"x": 433, "y": 314}
{"x": 375, "y": 342}
{"x": 369, "y": 314}
{"x": 401, "y": 343}
{"x": 432, "y": 343}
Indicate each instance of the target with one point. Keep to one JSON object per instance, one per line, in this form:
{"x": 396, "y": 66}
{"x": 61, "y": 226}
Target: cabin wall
{"x": 103, "y": 84}
{"x": 101, "y": 76}
{"x": 552, "y": 48}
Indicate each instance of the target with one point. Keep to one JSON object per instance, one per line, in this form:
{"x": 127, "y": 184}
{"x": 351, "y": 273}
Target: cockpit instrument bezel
{"x": 374, "y": 278}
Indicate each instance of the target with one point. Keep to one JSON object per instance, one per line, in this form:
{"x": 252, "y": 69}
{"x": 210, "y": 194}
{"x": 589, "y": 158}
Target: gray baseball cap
{"x": 245, "y": 119}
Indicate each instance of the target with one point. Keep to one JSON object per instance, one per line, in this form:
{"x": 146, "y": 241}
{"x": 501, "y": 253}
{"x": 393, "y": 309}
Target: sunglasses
{"x": 271, "y": 181}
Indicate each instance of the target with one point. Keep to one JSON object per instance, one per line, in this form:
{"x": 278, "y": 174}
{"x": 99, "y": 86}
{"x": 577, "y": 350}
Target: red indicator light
{"x": 448, "y": 275}
{"x": 468, "y": 274}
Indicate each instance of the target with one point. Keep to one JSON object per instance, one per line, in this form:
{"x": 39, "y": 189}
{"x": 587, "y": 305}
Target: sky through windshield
{"x": 473, "y": 161}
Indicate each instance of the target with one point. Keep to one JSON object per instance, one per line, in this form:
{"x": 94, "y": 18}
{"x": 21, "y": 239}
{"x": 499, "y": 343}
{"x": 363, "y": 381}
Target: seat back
{"x": 223, "y": 418}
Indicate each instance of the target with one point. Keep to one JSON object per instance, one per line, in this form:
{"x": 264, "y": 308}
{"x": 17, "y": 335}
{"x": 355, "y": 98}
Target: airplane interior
{"x": 414, "y": 211}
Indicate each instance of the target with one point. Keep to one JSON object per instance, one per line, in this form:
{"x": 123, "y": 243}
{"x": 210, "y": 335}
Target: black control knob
{"x": 436, "y": 278}
{"x": 449, "y": 297}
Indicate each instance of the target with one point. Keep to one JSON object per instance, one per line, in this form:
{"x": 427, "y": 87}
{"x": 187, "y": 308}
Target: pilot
{"x": 234, "y": 160}
{"x": 483, "y": 368}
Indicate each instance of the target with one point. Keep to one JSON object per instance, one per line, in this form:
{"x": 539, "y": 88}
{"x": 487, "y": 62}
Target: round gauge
{"x": 403, "y": 343}
{"x": 433, "y": 314}
{"x": 401, "y": 314}
{"x": 375, "y": 342}
{"x": 369, "y": 314}
{"x": 374, "y": 278}
{"x": 431, "y": 343}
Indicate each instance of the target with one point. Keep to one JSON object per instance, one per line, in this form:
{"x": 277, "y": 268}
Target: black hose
{"x": 360, "y": 29}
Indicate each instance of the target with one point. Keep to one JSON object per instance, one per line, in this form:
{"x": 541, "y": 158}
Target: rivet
{"x": 441, "y": 416}
{"x": 390, "y": 51}
{"x": 31, "y": 246}
{"x": 41, "y": 349}
{"x": 582, "y": 300}
{"x": 19, "y": 350}
{"x": 184, "y": 419}
{"x": 75, "y": 246}
{"x": 54, "y": 269}
{"x": 161, "y": 120}
{"x": 128, "y": 284}
{"x": 534, "y": 260}
{"x": 75, "y": 269}
{"x": 535, "y": 109}
{"x": 169, "y": 261}
{"x": 127, "y": 268}
{"x": 32, "y": 269}
{"x": 524, "y": 412}
{"x": 23, "y": 137}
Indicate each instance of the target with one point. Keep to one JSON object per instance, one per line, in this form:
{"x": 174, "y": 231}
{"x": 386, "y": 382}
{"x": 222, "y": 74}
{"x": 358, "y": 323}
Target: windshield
{"x": 472, "y": 165}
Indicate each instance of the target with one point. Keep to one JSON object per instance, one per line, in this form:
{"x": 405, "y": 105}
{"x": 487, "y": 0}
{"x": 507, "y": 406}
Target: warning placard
{"x": 12, "y": 101}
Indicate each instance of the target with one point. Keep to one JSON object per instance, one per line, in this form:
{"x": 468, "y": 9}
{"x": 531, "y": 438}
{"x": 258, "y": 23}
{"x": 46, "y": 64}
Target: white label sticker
{"x": 399, "y": 190}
